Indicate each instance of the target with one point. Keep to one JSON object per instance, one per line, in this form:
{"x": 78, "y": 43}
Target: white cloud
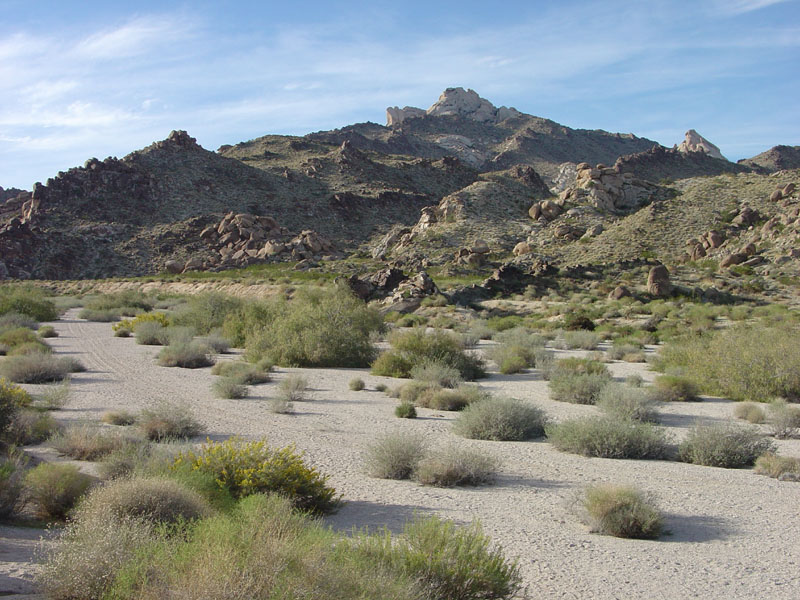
{"x": 738, "y": 7}
{"x": 135, "y": 38}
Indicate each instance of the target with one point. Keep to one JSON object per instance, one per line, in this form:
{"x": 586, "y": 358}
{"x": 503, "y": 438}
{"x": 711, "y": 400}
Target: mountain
{"x": 776, "y": 158}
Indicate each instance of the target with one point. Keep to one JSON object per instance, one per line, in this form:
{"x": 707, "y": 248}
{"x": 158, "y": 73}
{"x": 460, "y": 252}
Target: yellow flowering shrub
{"x": 130, "y": 324}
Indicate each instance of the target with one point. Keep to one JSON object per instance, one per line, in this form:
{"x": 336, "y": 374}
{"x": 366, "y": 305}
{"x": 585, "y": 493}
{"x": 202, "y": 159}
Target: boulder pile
{"x": 607, "y": 189}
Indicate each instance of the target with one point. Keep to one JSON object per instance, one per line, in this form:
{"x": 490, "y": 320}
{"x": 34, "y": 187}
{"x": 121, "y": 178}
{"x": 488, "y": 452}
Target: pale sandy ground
{"x": 734, "y": 534}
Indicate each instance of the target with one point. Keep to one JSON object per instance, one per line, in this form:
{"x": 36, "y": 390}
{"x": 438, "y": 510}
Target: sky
{"x": 81, "y": 80}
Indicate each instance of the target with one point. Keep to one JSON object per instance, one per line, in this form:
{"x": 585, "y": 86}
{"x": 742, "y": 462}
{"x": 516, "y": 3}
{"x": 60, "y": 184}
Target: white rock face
{"x": 455, "y": 101}
{"x": 694, "y": 142}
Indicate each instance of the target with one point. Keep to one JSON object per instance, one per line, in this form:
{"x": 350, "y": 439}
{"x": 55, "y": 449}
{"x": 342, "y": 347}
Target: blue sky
{"x": 81, "y": 80}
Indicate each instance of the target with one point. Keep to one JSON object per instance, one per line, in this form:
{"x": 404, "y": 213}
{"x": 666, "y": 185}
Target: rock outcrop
{"x": 660, "y": 163}
{"x": 777, "y": 158}
{"x": 658, "y": 283}
{"x": 608, "y": 189}
{"x": 694, "y": 142}
{"x": 454, "y": 101}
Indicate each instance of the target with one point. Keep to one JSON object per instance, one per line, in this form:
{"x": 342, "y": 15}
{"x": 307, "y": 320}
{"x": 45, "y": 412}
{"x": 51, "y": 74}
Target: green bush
{"x": 406, "y": 410}
{"x": 501, "y": 419}
{"x": 169, "y": 421}
{"x": 574, "y": 321}
{"x": 106, "y": 315}
{"x": 674, "y": 388}
{"x": 726, "y": 445}
{"x": 608, "y": 437}
{"x": 241, "y": 372}
{"x": 55, "y": 488}
{"x": 577, "y": 388}
{"x": 581, "y": 340}
{"x": 395, "y": 455}
{"x": 188, "y": 355}
{"x": 622, "y": 511}
{"x": 626, "y": 402}
{"x": 12, "y": 398}
{"x": 150, "y": 333}
{"x": 18, "y": 336}
{"x": 750, "y": 412}
{"x": 504, "y": 323}
{"x": 516, "y": 350}
{"x": 356, "y": 384}
{"x": 128, "y": 299}
{"x": 245, "y": 468}
{"x": 36, "y": 347}
{"x": 741, "y": 363}
{"x": 227, "y": 387}
{"x": 133, "y": 324}
{"x": 772, "y": 465}
{"x": 441, "y": 399}
{"x": 316, "y": 329}
{"x": 207, "y": 312}
{"x": 413, "y": 348}
{"x": 35, "y": 368}
{"x": 449, "y": 562}
{"x": 153, "y": 499}
{"x": 27, "y": 300}
{"x": 452, "y": 465}
{"x": 15, "y": 320}
{"x": 47, "y": 331}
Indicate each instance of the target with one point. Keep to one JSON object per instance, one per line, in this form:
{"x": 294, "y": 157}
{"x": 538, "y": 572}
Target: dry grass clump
{"x": 627, "y": 402}
{"x": 406, "y": 410}
{"x": 169, "y": 421}
{"x": 453, "y": 465}
{"x": 12, "y": 478}
{"x": 293, "y": 388}
{"x": 29, "y": 427}
{"x": 188, "y": 355}
{"x": 674, "y": 388}
{"x": 230, "y": 388}
{"x": 622, "y": 511}
{"x": 88, "y": 442}
{"x": 501, "y": 419}
{"x": 578, "y": 340}
{"x": 54, "y": 397}
{"x": 608, "y": 437}
{"x": 356, "y": 384}
{"x": 784, "y": 419}
{"x": 442, "y": 399}
{"x": 118, "y": 417}
{"x": 35, "y": 368}
{"x": 153, "y": 499}
{"x": 777, "y": 467}
{"x": 54, "y": 489}
{"x": 242, "y": 372}
{"x": 750, "y": 412}
{"x": 395, "y": 456}
{"x": 431, "y": 371}
{"x": 726, "y": 445}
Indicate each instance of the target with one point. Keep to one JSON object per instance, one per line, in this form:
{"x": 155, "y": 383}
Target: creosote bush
{"x": 438, "y": 373}
{"x": 500, "y": 419}
{"x": 622, "y": 511}
{"x": 244, "y": 468}
{"x": 608, "y": 437}
{"x": 150, "y": 333}
{"x": 169, "y": 421}
{"x": 413, "y": 348}
{"x": 727, "y": 445}
{"x": 27, "y": 300}
{"x": 12, "y": 398}
{"x": 516, "y": 349}
{"x": 54, "y": 489}
{"x": 577, "y": 388}
{"x": 443, "y": 399}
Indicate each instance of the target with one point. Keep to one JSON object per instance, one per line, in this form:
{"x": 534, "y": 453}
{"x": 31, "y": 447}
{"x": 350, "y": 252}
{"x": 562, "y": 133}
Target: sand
{"x": 733, "y": 534}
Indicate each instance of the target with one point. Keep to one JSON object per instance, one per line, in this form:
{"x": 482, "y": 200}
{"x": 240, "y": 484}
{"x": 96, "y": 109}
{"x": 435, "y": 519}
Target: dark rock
{"x": 658, "y": 283}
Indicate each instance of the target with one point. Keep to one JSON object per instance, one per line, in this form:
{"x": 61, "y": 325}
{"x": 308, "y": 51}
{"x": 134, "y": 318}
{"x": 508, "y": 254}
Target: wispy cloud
{"x": 738, "y": 7}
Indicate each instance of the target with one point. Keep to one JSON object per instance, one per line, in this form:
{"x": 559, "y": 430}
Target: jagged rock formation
{"x": 608, "y": 189}
{"x": 454, "y": 101}
{"x": 694, "y": 142}
{"x": 777, "y": 158}
{"x": 660, "y": 163}
{"x": 8, "y": 194}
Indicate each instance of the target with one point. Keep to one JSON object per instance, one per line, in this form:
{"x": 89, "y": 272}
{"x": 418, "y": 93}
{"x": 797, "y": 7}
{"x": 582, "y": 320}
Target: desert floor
{"x": 733, "y": 534}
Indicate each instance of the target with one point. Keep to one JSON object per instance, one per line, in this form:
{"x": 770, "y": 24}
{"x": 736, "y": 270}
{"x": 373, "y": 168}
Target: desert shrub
{"x": 18, "y": 336}
{"x": 119, "y": 417}
{"x": 206, "y": 312}
{"x": 150, "y": 333}
{"x": 724, "y": 445}
{"x": 574, "y": 321}
{"x": 83, "y": 563}
{"x": 127, "y": 460}
{"x": 443, "y": 399}
{"x": 381, "y": 387}
{"x": 106, "y": 315}
{"x": 227, "y": 387}
{"x": 37, "y": 347}
{"x": 750, "y": 412}
{"x": 447, "y": 561}
{"x": 395, "y": 455}
{"x": 216, "y": 341}
{"x": 134, "y": 324}
{"x": 293, "y": 388}
{"x": 577, "y": 388}
{"x": 12, "y": 398}
{"x": 411, "y": 320}
{"x": 12, "y": 477}
{"x": 4, "y": 349}
{"x": 501, "y": 419}
{"x": 626, "y": 352}
{"x": 504, "y": 323}
{"x": 582, "y": 340}
{"x": 241, "y": 372}
{"x": 356, "y": 384}
{"x": 191, "y": 355}
{"x": 245, "y": 468}
{"x": 453, "y": 465}
{"x": 413, "y": 390}
{"x": 581, "y": 366}
{"x": 72, "y": 364}
{"x": 546, "y": 362}
{"x": 54, "y": 396}
{"x": 406, "y": 410}
{"x": 622, "y": 511}
{"x": 87, "y": 442}
{"x": 626, "y": 402}
{"x": 774, "y": 466}
{"x": 178, "y": 334}
{"x": 29, "y": 427}
{"x": 122, "y": 332}
{"x": 608, "y": 437}
{"x": 741, "y": 363}
{"x": 436, "y": 372}
{"x": 784, "y": 419}
{"x": 516, "y": 350}
{"x": 412, "y": 348}
{"x": 674, "y": 388}
{"x": 54, "y": 489}
{"x": 34, "y": 368}
{"x": 280, "y": 405}
{"x": 634, "y": 380}
{"x": 316, "y": 329}
{"x": 169, "y": 421}
{"x": 127, "y": 299}
{"x": 154, "y": 499}
{"x": 47, "y": 331}
{"x": 15, "y": 320}
{"x": 27, "y": 300}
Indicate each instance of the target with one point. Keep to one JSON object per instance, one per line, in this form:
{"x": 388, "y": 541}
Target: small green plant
{"x": 622, "y": 511}
{"x": 726, "y": 445}
{"x": 245, "y": 468}
{"x": 169, "y": 421}
{"x": 55, "y": 488}
{"x": 356, "y": 384}
{"x": 406, "y": 410}
{"x": 608, "y": 437}
{"x": 230, "y": 388}
{"x": 501, "y": 419}
{"x": 395, "y": 455}
{"x": 452, "y": 465}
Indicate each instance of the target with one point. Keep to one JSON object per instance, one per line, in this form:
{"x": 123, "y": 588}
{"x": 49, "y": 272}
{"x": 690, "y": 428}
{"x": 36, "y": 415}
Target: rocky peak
{"x": 694, "y": 142}
{"x": 455, "y": 101}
